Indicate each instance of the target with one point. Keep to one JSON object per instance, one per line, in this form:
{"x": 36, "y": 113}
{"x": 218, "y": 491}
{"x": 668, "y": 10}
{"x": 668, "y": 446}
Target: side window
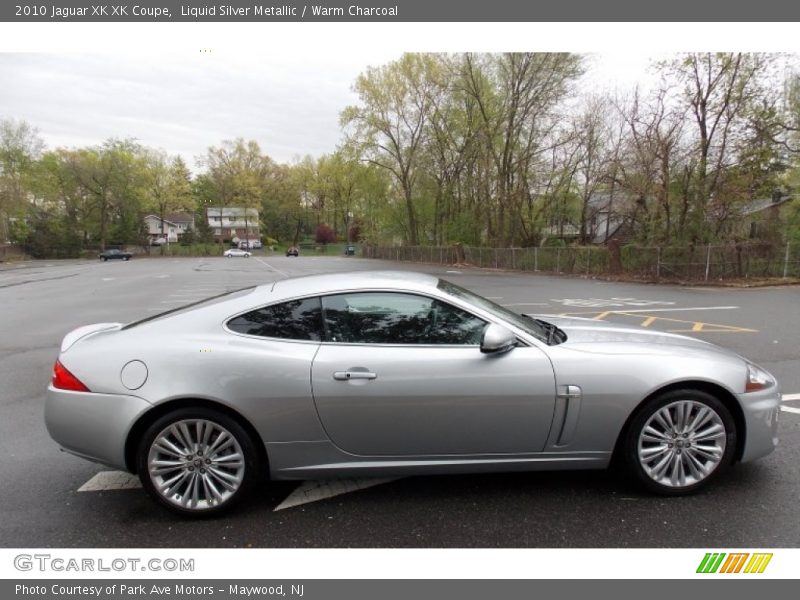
{"x": 394, "y": 318}
{"x": 293, "y": 320}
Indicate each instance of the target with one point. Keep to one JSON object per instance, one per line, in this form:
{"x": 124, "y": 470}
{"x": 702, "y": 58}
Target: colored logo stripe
{"x": 713, "y": 562}
{"x": 734, "y": 563}
{"x": 710, "y": 562}
{"x": 758, "y": 563}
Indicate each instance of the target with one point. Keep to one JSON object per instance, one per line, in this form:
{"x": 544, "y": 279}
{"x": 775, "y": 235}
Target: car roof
{"x": 331, "y": 282}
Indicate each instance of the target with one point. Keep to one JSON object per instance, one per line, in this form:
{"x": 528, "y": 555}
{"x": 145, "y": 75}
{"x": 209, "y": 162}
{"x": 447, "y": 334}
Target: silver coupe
{"x": 395, "y": 373}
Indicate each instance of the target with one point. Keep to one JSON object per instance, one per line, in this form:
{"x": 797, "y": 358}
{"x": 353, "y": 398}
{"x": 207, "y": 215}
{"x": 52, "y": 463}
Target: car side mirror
{"x": 496, "y": 339}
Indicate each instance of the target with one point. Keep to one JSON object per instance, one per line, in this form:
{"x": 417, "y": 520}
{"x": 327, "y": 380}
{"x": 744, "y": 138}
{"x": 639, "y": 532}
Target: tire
{"x": 104, "y": 259}
{"x": 670, "y": 452}
{"x": 197, "y": 490}
{"x": 127, "y": 258}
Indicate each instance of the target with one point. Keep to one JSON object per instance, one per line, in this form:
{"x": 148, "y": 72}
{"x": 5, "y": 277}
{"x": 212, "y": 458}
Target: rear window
{"x": 229, "y": 295}
{"x": 294, "y": 320}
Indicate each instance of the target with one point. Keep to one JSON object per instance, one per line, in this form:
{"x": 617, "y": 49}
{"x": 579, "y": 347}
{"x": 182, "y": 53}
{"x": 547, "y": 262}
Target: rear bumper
{"x": 92, "y": 426}
{"x": 761, "y": 410}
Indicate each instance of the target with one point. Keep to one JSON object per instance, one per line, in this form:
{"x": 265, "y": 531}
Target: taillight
{"x": 64, "y": 380}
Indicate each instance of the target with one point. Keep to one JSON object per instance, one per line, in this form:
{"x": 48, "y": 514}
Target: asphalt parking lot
{"x": 754, "y": 505}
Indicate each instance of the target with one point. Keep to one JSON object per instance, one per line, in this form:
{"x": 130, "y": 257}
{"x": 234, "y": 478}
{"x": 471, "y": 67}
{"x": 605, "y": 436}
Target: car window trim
{"x": 525, "y": 339}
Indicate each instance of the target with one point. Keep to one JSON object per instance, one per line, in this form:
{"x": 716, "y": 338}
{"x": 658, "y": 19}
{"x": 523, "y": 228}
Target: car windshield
{"x": 541, "y": 330}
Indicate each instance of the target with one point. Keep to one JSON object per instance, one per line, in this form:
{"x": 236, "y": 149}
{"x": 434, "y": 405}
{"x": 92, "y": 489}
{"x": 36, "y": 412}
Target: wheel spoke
{"x": 702, "y": 416}
{"x": 664, "y": 419}
{"x": 163, "y": 445}
{"x": 190, "y": 443}
{"x": 711, "y": 452}
{"x": 215, "y": 447}
{"x": 673, "y": 468}
{"x": 652, "y": 434}
{"x": 653, "y": 452}
{"x": 680, "y": 417}
{"x": 178, "y": 435}
{"x": 165, "y": 466}
{"x": 216, "y": 475}
{"x": 714, "y": 432}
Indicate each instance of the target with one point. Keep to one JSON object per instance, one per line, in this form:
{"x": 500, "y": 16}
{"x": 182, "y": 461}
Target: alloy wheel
{"x": 682, "y": 443}
{"x": 196, "y": 464}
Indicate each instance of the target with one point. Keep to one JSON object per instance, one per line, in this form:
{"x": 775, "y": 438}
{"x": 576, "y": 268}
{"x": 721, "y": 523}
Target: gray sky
{"x": 185, "y": 103}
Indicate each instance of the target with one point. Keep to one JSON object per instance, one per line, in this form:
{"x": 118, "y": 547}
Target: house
{"x": 233, "y": 223}
{"x": 606, "y": 215}
{"x": 173, "y": 225}
{"x": 762, "y": 218}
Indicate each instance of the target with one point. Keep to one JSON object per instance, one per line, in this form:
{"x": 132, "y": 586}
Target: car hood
{"x": 588, "y": 331}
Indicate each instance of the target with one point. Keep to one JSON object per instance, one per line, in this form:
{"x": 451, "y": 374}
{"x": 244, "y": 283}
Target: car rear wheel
{"x": 679, "y": 441}
{"x": 197, "y": 461}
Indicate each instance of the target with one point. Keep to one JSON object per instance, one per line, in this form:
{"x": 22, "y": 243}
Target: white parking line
{"x": 305, "y": 493}
{"x": 271, "y": 268}
{"x": 528, "y": 304}
{"x": 650, "y": 310}
{"x": 791, "y": 409}
{"x": 314, "y": 491}
{"x": 790, "y": 397}
{"x": 111, "y": 480}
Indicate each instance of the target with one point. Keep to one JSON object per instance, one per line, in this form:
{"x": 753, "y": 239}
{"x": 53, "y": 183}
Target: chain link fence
{"x": 687, "y": 263}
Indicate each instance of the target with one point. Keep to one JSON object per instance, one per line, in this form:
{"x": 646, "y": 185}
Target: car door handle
{"x": 348, "y": 375}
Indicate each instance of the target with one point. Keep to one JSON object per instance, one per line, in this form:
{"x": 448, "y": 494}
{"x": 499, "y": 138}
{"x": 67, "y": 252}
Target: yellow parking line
{"x": 696, "y": 325}
{"x": 648, "y": 321}
{"x": 602, "y": 315}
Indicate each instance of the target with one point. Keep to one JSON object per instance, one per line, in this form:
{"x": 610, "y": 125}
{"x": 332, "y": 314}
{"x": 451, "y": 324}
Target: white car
{"x": 236, "y": 252}
{"x": 251, "y": 245}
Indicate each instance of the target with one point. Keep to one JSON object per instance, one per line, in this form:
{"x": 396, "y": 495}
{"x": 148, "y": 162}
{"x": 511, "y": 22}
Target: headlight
{"x": 757, "y": 379}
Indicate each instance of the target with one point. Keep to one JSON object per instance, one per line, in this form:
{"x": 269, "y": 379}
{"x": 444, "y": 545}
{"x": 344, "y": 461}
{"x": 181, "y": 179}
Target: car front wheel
{"x": 679, "y": 441}
{"x": 197, "y": 462}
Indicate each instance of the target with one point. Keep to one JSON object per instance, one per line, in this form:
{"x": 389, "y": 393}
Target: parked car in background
{"x": 115, "y": 254}
{"x": 388, "y": 374}
{"x": 236, "y": 252}
{"x": 250, "y": 245}
{"x": 349, "y": 250}
{"x": 293, "y": 251}
{"x": 160, "y": 241}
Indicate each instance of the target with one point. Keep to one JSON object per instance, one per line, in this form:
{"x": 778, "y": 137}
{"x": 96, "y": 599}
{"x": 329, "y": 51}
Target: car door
{"x": 403, "y": 374}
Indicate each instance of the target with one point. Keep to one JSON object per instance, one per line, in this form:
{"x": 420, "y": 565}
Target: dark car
{"x": 115, "y": 254}
{"x": 349, "y": 250}
{"x": 293, "y": 251}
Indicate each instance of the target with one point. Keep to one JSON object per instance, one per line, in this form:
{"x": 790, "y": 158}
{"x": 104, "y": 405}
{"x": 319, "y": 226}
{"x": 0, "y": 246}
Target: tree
{"x": 324, "y": 234}
{"x": 389, "y": 126}
{"x": 168, "y": 186}
{"x": 20, "y": 147}
{"x": 719, "y": 89}
{"x": 515, "y": 95}
{"x": 236, "y": 174}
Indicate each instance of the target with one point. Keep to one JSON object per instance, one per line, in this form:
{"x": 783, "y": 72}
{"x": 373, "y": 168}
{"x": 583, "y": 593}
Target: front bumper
{"x": 761, "y": 410}
{"x": 92, "y": 426}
